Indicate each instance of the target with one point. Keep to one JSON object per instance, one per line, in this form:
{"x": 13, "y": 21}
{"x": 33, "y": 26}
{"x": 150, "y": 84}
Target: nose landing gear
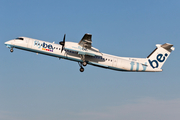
{"x": 11, "y": 50}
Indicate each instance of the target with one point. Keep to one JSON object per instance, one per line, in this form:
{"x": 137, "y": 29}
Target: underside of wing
{"x": 80, "y": 52}
{"x": 86, "y": 41}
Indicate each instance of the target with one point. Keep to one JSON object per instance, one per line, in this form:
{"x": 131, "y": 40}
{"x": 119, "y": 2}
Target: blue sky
{"x": 41, "y": 87}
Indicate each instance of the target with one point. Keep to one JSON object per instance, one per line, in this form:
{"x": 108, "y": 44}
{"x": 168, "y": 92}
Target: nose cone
{"x": 8, "y": 43}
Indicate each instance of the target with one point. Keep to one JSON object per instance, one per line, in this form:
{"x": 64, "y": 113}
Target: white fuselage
{"x": 73, "y": 51}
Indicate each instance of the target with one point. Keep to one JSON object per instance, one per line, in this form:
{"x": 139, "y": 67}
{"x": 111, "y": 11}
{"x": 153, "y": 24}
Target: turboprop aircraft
{"x": 84, "y": 54}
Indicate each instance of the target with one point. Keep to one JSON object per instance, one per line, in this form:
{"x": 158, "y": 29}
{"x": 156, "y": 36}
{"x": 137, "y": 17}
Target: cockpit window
{"x": 20, "y": 38}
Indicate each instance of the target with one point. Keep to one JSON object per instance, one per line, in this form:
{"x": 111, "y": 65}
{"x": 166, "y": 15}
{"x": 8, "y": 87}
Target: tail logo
{"x": 160, "y": 58}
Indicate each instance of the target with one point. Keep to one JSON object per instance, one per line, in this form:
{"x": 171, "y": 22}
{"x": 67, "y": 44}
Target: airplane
{"x": 84, "y": 54}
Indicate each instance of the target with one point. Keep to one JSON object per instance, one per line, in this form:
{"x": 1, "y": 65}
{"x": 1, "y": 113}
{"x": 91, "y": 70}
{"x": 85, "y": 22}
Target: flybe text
{"x": 44, "y": 46}
{"x": 160, "y": 58}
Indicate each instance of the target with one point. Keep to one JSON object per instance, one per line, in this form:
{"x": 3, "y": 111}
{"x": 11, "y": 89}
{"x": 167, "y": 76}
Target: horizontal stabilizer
{"x": 167, "y": 46}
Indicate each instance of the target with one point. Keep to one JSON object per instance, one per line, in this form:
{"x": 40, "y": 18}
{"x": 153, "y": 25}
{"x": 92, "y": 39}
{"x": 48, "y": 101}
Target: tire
{"x": 81, "y": 69}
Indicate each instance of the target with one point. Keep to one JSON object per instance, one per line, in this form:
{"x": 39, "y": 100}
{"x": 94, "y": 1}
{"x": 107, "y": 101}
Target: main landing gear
{"x": 11, "y": 50}
{"x": 81, "y": 65}
{"x": 81, "y": 69}
{"x": 84, "y": 63}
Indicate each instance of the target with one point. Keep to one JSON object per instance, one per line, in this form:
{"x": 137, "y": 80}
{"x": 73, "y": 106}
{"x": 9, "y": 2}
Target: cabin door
{"x": 115, "y": 62}
{"x": 29, "y": 43}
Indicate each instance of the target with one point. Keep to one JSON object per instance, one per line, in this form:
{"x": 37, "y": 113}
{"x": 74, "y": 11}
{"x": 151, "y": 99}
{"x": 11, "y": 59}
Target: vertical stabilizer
{"x": 158, "y": 57}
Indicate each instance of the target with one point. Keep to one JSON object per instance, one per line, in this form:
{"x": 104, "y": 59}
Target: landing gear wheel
{"x": 81, "y": 69}
{"x": 11, "y": 50}
{"x": 84, "y": 63}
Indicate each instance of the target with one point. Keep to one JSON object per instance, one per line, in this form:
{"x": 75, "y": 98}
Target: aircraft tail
{"x": 158, "y": 57}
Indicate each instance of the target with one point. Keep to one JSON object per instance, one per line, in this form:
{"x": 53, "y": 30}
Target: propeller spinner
{"x": 63, "y": 43}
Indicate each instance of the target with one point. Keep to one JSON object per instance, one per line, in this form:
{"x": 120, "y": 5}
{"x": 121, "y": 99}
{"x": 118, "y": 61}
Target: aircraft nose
{"x": 8, "y": 44}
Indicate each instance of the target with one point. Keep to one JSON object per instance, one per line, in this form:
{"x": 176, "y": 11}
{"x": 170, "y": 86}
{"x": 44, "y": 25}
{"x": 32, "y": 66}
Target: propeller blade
{"x": 62, "y": 49}
{"x": 63, "y": 43}
{"x": 64, "y": 38}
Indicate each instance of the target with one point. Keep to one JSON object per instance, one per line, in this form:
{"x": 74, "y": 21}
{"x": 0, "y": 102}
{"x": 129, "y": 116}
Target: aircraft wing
{"x": 80, "y": 52}
{"x": 84, "y": 47}
{"x": 86, "y": 41}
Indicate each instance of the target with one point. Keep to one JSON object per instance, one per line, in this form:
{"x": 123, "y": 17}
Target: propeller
{"x": 63, "y": 43}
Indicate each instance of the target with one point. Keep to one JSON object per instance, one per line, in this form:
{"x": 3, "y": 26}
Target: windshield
{"x": 19, "y": 38}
